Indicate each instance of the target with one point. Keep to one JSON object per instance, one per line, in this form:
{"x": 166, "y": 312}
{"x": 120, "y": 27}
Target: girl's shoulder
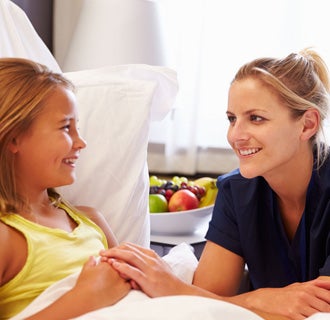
{"x": 13, "y": 253}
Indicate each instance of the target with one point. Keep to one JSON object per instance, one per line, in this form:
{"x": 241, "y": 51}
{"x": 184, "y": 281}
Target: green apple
{"x": 157, "y": 203}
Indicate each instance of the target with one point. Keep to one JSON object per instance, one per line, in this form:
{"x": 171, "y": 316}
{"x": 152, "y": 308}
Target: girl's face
{"x": 46, "y": 154}
{"x": 261, "y": 131}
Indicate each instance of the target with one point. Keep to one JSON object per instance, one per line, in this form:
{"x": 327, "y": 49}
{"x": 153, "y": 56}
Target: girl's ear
{"x": 13, "y": 146}
{"x": 311, "y": 123}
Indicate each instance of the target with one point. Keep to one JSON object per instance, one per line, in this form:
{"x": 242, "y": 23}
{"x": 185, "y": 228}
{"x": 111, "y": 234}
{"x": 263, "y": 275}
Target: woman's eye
{"x": 256, "y": 118}
{"x": 231, "y": 119}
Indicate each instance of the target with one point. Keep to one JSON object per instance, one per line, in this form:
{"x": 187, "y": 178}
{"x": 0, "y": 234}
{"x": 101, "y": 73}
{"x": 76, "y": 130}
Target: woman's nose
{"x": 237, "y": 131}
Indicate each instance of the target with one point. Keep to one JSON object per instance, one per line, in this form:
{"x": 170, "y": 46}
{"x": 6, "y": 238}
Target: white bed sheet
{"x": 173, "y": 308}
{"x": 137, "y": 306}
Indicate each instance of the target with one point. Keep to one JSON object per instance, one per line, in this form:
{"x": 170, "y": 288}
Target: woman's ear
{"x": 311, "y": 123}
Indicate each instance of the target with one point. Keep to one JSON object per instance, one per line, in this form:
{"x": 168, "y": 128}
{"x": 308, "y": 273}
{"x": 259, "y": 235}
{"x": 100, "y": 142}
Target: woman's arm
{"x": 98, "y": 286}
{"x": 296, "y": 301}
{"x": 219, "y": 270}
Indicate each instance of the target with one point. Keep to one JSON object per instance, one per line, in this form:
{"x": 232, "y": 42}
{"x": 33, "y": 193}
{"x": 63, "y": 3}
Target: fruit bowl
{"x": 180, "y": 222}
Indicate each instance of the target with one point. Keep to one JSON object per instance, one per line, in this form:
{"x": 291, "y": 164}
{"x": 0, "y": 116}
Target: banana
{"x": 211, "y": 190}
{"x": 209, "y": 198}
{"x": 205, "y": 182}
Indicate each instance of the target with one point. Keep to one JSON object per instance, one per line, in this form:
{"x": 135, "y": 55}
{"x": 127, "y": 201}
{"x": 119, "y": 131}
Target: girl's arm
{"x": 98, "y": 286}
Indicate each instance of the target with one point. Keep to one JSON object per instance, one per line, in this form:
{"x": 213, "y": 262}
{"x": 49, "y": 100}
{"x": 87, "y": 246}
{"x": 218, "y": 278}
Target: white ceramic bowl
{"x": 180, "y": 222}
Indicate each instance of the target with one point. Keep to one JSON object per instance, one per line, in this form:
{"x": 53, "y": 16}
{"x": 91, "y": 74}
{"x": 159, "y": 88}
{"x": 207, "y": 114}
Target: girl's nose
{"x": 80, "y": 142}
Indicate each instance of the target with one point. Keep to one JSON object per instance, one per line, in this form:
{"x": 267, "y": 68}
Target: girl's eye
{"x": 66, "y": 128}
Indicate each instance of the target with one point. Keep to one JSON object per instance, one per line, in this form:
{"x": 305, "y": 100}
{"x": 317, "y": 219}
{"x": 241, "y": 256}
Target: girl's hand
{"x": 97, "y": 286}
{"x": 101, "y": 282}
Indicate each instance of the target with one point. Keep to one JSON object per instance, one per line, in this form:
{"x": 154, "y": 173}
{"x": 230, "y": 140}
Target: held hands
{"x": 296, "y": 301}
{"x": 144, "y": 269}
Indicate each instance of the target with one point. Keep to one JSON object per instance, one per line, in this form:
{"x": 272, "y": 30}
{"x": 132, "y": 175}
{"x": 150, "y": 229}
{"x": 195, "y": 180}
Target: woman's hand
{"x": 296, "y": 301}
{"x": 145, "y": 270}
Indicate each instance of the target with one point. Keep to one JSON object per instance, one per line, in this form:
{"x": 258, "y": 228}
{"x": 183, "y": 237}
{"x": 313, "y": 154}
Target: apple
{"x": 157, "y": 203}
{"x": 183, "y": 200}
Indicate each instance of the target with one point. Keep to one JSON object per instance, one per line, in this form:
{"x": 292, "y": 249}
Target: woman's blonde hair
{"x": 24, "y": 86}
{"x": 302, "y": 82}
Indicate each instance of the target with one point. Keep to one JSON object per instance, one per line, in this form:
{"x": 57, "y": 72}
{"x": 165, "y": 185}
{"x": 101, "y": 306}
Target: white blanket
{"x": 138, "y": 306}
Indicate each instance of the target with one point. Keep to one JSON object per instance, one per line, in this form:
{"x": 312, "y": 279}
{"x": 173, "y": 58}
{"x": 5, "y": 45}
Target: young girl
{"x": 43, "y": 238}
{"x": 273, "y": 214}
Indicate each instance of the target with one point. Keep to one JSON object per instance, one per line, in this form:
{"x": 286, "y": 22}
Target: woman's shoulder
{"x": 233, "y": 184}
{"x": 234, "y": 174}
{"x": 322, "y": 174}
{"x": 234, "y": 177}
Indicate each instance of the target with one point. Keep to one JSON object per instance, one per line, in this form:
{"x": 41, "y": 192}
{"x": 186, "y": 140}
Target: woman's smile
{"x": 248, "y": 151}
{"x": 259, "y": 121}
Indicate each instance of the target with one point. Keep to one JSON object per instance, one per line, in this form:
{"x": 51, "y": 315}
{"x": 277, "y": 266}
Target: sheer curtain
{"x": 206, "y": 42}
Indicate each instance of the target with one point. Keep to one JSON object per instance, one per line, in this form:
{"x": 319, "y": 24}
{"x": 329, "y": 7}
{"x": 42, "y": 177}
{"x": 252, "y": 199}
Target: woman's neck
{"x": 291, "y": 191}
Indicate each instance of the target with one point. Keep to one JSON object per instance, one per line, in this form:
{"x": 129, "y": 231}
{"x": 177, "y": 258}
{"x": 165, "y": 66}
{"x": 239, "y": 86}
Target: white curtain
{"x": 207, "y": 41}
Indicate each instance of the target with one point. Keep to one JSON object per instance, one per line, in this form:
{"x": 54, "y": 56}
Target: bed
{"x": 116, "y": 105}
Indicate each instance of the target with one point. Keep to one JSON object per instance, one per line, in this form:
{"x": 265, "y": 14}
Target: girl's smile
{"x": 51, "y": 147}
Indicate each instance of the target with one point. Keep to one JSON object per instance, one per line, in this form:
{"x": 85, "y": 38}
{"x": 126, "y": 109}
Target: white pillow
{"x": 115, "y": 105}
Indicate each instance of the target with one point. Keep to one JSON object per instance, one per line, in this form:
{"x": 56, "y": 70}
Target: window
{"x": 206, "y": 42}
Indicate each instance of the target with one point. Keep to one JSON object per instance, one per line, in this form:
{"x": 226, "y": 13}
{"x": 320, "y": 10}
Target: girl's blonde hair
{"x": 302, "y": 81}
{"x": 24, "y": 86}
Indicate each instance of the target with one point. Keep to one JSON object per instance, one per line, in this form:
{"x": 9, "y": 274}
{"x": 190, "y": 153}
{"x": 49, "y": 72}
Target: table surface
{"x": 194, "y": 238}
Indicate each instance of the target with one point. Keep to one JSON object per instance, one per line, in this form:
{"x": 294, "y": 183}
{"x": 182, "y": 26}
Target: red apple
{"x": 182, "y": 200}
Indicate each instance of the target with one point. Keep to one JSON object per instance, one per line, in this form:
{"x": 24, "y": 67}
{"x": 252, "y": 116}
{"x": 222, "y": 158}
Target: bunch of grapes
{"x": 168, "y": 187}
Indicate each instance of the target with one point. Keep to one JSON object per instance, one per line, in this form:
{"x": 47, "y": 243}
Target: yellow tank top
{"x": 53, "y": 254}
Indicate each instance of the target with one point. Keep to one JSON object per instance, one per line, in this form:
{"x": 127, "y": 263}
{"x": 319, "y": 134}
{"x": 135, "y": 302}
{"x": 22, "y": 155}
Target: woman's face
{"x": 46, "y": 154}
{"x": 261, "y": 131}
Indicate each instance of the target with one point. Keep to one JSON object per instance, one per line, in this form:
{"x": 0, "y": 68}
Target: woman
{"x": 43, "y": 238}
{"x": 273, "y": 214}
